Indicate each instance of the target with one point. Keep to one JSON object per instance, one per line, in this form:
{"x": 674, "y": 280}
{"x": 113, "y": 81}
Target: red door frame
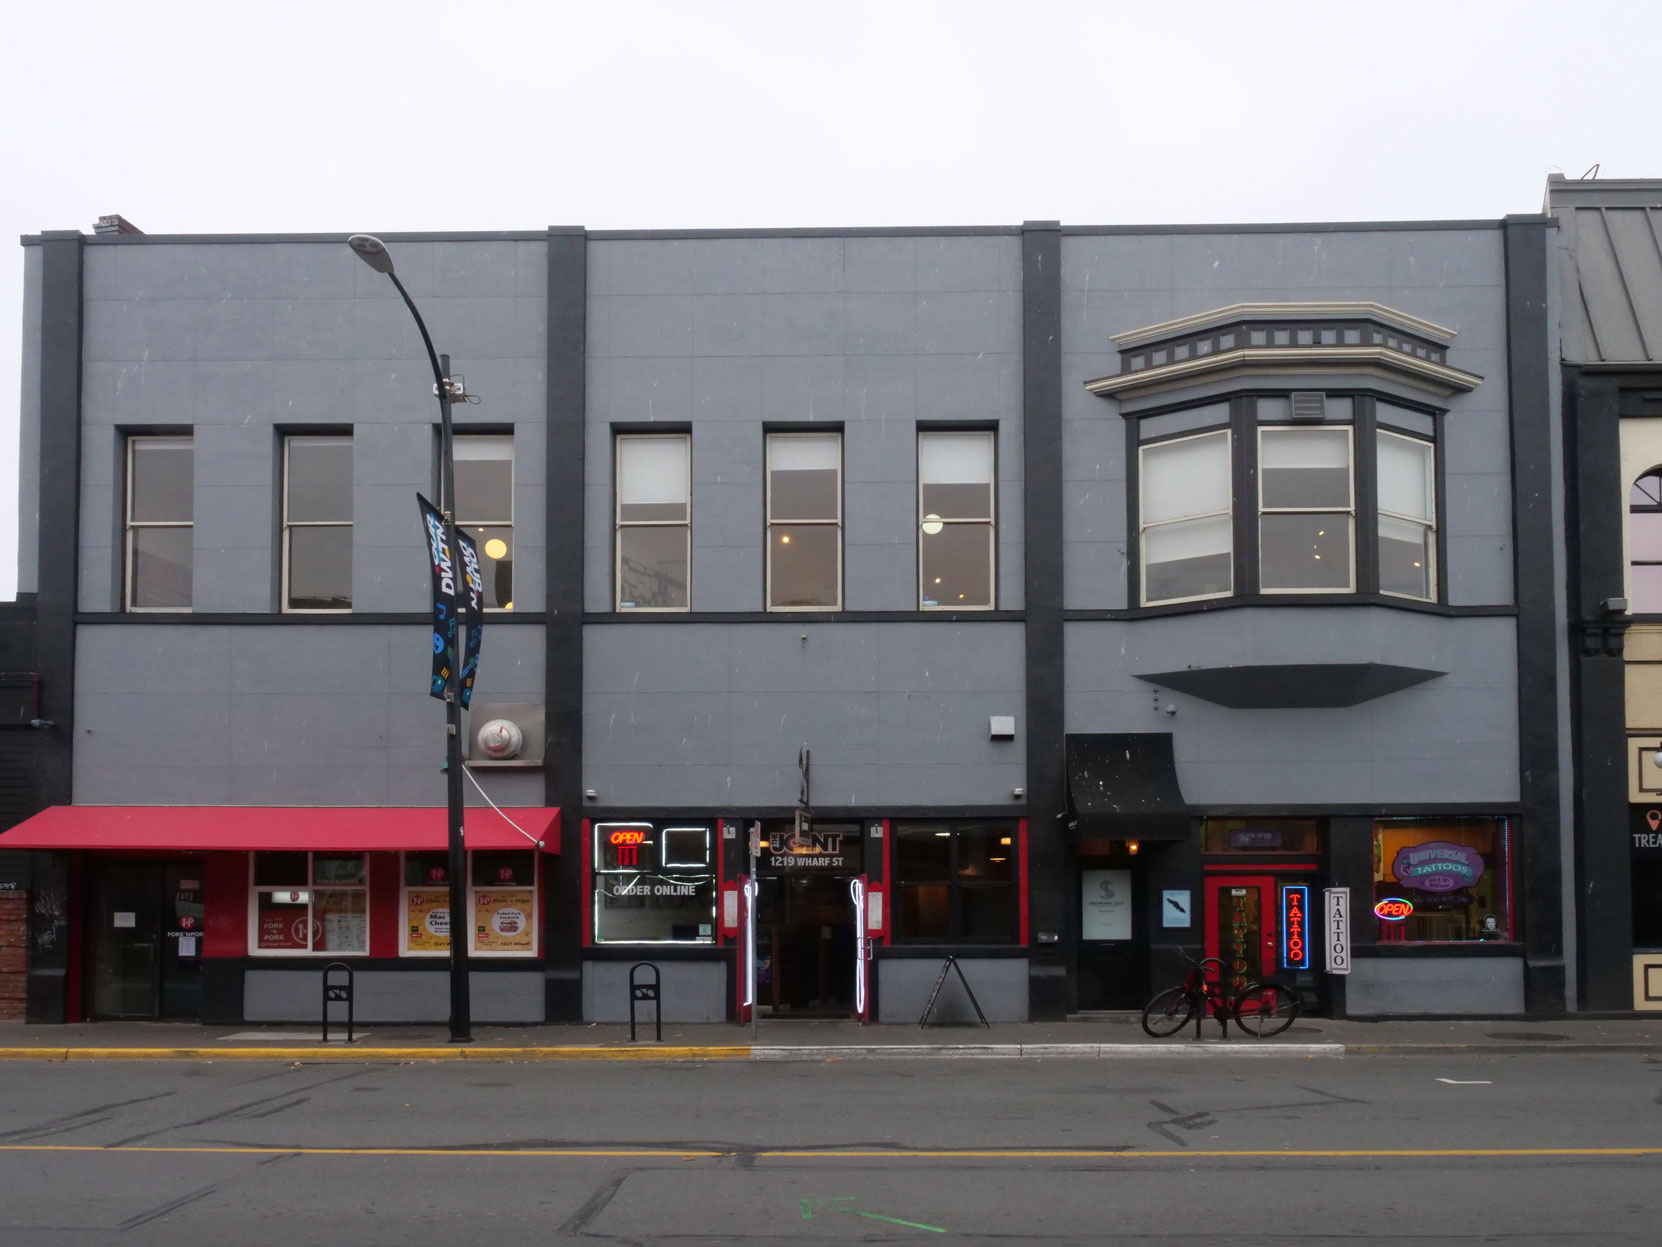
{"x": 1216, "y": 894}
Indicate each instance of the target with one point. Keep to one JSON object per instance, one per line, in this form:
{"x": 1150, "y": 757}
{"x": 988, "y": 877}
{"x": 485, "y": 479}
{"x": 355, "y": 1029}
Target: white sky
{"x": 352, "y": 115}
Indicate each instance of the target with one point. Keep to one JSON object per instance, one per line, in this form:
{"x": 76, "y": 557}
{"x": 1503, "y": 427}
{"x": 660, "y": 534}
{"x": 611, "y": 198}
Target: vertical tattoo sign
{"x": 444, "y": 598}
{"x": 473, "y": 614}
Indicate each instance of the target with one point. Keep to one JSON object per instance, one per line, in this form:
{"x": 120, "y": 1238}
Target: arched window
{"x": 1644, "y": 544}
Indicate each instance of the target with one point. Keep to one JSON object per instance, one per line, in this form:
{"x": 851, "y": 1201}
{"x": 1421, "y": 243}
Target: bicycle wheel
{"x": 1169, "y": 1012}
{"x": 1264, "y": 1009}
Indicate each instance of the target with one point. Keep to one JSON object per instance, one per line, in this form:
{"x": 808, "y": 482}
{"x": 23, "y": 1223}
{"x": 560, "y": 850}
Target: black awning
{"x": 1123, "y": 786}
{"x": 1292, "y": 686}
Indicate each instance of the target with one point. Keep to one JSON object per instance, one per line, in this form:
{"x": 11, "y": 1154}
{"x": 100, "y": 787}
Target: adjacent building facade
{"x": 1051, "y": 598}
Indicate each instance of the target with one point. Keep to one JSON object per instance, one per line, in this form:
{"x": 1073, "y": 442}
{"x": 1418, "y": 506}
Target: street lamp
{"x": 373, "y": 252}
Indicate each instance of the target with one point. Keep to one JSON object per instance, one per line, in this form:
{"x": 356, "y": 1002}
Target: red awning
{"x": 219, "y": 828}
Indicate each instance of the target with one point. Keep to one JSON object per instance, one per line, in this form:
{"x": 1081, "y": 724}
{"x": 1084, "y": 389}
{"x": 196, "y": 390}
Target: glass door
{"x": 1241, "y": 926}
{"x": 126, "y": 942}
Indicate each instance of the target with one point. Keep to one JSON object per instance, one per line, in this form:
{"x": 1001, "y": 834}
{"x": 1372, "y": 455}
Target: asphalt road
{"x": 1511, "y": 1149}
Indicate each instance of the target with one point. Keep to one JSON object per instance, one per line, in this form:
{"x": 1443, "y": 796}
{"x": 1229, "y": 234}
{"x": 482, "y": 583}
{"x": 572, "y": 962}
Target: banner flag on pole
{"x": 473, "y": 613}
{"x": 444, "y": 597}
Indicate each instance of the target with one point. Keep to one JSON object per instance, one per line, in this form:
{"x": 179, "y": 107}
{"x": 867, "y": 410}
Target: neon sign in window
{"x": 1295, "y": 930}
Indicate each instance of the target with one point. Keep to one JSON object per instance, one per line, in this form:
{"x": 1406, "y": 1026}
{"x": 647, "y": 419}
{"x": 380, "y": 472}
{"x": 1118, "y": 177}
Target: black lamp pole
{"x": 373, "y": 252}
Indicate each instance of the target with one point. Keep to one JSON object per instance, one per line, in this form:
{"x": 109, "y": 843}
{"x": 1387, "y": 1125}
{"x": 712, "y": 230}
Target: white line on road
{"x": 1467, "y": 1082}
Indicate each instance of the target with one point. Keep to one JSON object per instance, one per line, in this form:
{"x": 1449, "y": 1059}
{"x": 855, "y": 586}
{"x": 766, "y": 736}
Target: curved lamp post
{"x": 373, "y": 252}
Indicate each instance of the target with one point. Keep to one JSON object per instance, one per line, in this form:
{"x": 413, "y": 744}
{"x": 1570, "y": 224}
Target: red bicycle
{"x": 1261, "y": 1009}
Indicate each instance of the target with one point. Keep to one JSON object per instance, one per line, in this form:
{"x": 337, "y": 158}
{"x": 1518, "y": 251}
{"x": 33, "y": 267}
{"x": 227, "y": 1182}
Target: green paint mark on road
{"x": 811, "y": 1206}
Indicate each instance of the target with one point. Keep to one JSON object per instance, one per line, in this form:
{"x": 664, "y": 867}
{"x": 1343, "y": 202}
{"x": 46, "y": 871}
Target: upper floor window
{"x": 317, "y": 523}
{"x": 485, "y": 510}
{"x": 955, "y": 520}
{"x": 1408, "y": 517}
{"x": 1187, "y": 543}
{"x": 804, "y": 521}
{"x": 654, "y": 521}
{"x": 1644, "y": 544}
{"x": 1306, "y": 509}
{"x": 159, "y": 523}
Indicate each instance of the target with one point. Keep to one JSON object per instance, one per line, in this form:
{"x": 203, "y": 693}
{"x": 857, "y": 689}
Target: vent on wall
{"x": 505, "y": 734}
{"x": 1309, "y": 405}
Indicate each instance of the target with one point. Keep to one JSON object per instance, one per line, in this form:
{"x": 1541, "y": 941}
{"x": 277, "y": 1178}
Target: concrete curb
{"x": 1063, "y": 1051}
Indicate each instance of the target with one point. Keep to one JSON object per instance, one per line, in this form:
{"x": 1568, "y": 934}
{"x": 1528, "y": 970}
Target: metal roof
{"x": 1610, "y": 268}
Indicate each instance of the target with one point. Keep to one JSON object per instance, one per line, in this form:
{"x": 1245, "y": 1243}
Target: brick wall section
{"x": 14, "y": 954}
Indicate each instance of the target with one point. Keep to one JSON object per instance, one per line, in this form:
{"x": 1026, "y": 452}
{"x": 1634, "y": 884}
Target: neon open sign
{"x": 1393, "y": 909}
{"x": 1295, "y": 930}
{"x": 628, "y": 837}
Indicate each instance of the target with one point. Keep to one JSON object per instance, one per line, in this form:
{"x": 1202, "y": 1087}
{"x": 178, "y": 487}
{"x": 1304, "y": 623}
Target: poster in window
{"x": 284, "y": 923}
{"x": 502, "y": 921}
{"x": 427, "y": 922}
{"x": 1105, "y": 904}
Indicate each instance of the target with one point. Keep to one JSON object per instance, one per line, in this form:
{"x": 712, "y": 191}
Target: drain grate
{"x": 1529, "y": 1036}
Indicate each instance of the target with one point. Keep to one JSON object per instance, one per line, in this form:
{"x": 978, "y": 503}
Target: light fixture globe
{"x": 500, "y": 739}
{"x": 932, "y": 524}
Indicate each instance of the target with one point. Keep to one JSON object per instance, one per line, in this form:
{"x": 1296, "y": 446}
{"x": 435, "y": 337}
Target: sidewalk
{"x": 1112, "y": 1037}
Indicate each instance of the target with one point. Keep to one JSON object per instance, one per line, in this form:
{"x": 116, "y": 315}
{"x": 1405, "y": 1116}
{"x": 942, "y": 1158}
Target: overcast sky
{"x": 349, "y": 115}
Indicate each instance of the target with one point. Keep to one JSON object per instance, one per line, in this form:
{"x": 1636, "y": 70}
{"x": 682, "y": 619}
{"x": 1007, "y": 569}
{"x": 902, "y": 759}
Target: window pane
{"x": 163, "y": 476}
{"x": 1405, "y": 482}
{"x": 320, "y": 568}
{"x": 282, "y": 920}
{"x": 1646, "y": 491}
{"x": 161, "y": 567}
{"x": 803, "y": 477}
{"x": 638, "y": 907}
{"x": 652, "y": 478}
{"x": 1645, "y": 589}
{"x": 320, "y": 480}
{"x": 274, "y": 869}
{"x": 424, "y": 870}
{"x": 985, "y": 854}
{"x": 957, "y": 565}
{"x": 988, "y": 912}
{"x": 652, "y": 568}
{"x": 338, "y": 868}
{"x": 955, "y": 475}
{"x": 1452, "y": 872}
{"x": 1304, "y": 552}
{"x": 1189, "y": 559}
{"x": 496, "y": 563}
{"x": 802, "y": 565}
{"x": 923, "y": 854}
{"x": 340, "y": 921}
{"x": 957, "y": 502}
{"x": 1305, "y": 467}
{"x": 1188, "y": 477}
{"x": 502, "y": 868}
{"x": 484, "y": 480}
{"x": 1405, "y": 558}
{"x": 1644, "y": 536}
{"x": 925, "y": 910}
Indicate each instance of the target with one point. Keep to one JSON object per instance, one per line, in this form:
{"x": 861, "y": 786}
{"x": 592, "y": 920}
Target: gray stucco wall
{"x": 1450, "y": 739}
{"x": 278, "y": 714}
{"x": 712, "y": 714}
{"x": 1000, "y": 986}
{"x": 1477, "y": 986}
{"x": 391, "y": 996}
{"x": 241, "y": 342}
{"x": 691, "y": 991}
{"x": 877, "y": 333}
{"x": 1115, "y": 283}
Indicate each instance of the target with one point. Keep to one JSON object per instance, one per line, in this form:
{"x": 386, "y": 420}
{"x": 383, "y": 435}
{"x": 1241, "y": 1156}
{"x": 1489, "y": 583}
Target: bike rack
{"x": 642, "y": 992}
{"x": 334, "y": 993}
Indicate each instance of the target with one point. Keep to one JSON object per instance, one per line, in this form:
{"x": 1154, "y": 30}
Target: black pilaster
{"x": 563, "y": 659}
{"x": 1049, "y": 872}
{"x": 1528, "y": 354}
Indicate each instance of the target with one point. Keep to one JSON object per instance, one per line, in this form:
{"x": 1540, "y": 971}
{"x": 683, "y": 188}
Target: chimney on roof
{"x": 115, "y": 223}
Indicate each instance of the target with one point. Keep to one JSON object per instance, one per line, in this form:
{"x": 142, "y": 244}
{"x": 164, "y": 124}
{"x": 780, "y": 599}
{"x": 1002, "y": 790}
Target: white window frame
{"x": 1350, "y": 511}
{"x": 310, "y": 887}
{"x": 289, "y": 525}
{"x": 989, "y": 522}
{"x": 465, "y": 522}
{"x": 1144, "y": 528}
{"x": 1431, "y": 526}
{"x": 773, "y": 439}
{"x": 130, "y": 525}
{"x": 404, "y": 890}
{"x": 619, "y": 523}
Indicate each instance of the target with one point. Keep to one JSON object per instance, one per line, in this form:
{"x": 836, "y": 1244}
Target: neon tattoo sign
{"x": 1295, "y": 931}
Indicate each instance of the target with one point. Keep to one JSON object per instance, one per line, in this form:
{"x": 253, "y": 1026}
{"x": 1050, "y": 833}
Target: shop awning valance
{"x": 237, "y": 828}
{"x": 1123, "y": 786}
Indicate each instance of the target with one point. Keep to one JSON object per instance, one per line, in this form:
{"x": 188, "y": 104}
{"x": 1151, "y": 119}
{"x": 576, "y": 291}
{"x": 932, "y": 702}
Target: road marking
{"x": 1467, "y": 1082}
{"x": 662, "y": 1153}
{"x": 811, "y": 1206}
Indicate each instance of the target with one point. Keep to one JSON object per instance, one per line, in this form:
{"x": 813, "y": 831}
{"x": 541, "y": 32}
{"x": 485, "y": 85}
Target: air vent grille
{"x": 1309, "y": 405}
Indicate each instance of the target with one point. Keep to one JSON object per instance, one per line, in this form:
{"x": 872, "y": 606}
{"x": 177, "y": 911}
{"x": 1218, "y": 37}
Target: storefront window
{"x": 310, "y": 903}
{"x": 654, "y": 883}
{"x": 1260, "y": 835}
{"x": 502, "y": 901}
{"x": 955, "y": 882}
{"x": 1442, "y": 881}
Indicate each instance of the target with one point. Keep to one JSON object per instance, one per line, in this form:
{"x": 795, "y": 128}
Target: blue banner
{"x": 444, "y": 598}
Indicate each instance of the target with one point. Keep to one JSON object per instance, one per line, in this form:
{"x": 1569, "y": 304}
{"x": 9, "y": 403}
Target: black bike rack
{"x": 336, "y": 993}
{"x": 642, "y": 992}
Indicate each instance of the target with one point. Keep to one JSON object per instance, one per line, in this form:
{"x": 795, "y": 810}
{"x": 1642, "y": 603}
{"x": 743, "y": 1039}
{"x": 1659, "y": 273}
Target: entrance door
{"x": 1241, "y": 926}
{"x": 146, "y": 942}
{"x": 1113, "y": 959}
{"x": 810, "y": 940}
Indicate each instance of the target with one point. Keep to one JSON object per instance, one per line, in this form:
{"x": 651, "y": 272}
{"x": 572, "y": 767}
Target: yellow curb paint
{"x": 352, "y": 1052}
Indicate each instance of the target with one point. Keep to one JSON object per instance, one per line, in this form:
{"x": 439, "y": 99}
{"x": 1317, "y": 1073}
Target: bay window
{"x": 1306, "y": 509}
{"x": 1407, "y": 517}
{"x": 1186, "y": 539}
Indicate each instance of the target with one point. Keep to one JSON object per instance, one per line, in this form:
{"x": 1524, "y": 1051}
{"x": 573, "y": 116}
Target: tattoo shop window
{"x": 1446, "y": 880}
{"x": 485, "y": 509}
{"x": 654, "y": 883}
{"x": 955, "y": 882}
{"x": 160, "y": 523}
{"x": 310, "y": 903}
{"x": 503, "y": 917}
{"x": 1184, "y": 496}
{"x": 955, "y": 520}
{"x": 804, "y": 521}
{"x": 654, "y": 522}
{"x": 317, "y": 523}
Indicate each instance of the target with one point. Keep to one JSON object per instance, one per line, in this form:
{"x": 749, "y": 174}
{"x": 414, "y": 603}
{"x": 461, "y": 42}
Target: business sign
{"x": 1105, "y": 904}
{"x": 1176, "y": 909}
{"x": 1336, "y": 936}
{"x": 1393, "y": 908}
{"x": 838, "y": 850}
{"x": 1255, "y": 838}
{"x": 502, "y": 921}
{"x": 1437, "y": 867}
{"x": 1295, "y": 927}
{"x": 1645, "y": 825}
{"x": 427, "y": 922}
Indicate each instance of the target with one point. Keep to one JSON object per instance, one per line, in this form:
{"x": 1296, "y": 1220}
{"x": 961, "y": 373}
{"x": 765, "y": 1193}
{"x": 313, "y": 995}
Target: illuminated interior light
{"x": 784, "y": 539}
{"x": 1005, "y": 840}
{"x": 496, "y": 548}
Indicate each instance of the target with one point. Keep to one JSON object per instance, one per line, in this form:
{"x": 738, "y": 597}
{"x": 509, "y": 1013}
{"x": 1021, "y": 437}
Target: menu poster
{"x": 427, "y": 922}
{"x": 502, "y": 921}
